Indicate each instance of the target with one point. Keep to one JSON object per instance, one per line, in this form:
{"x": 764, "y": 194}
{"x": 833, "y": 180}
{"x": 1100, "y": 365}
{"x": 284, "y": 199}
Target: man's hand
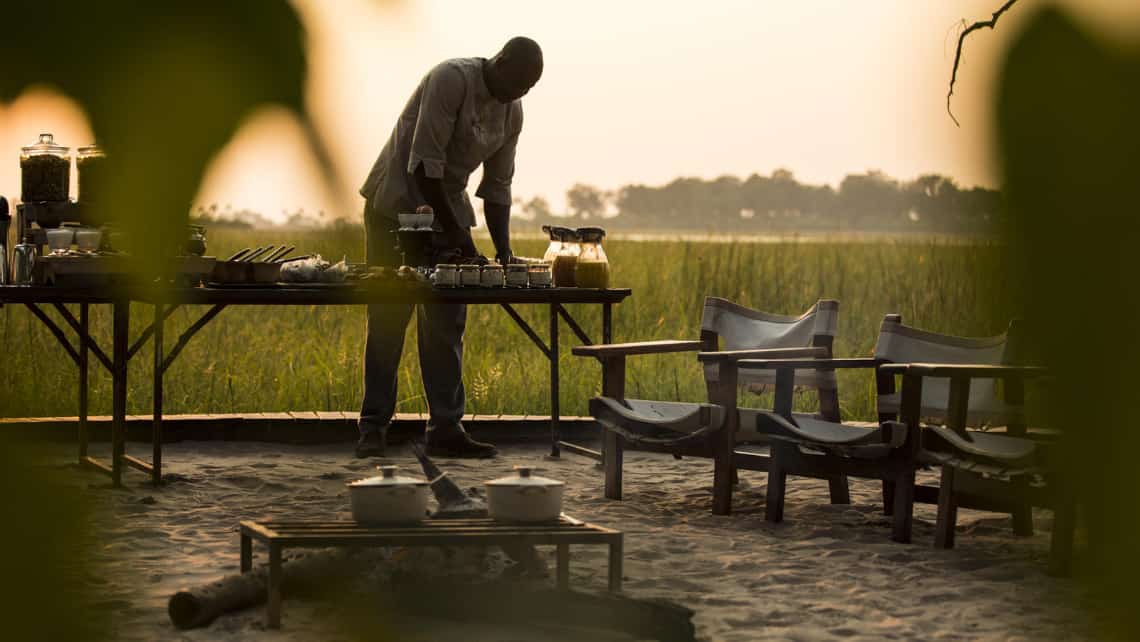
{"x": 457, "y": 235}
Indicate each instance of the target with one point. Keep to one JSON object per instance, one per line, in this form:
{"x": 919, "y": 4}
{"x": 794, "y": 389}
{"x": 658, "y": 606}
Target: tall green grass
{"x": 309, "y": 358}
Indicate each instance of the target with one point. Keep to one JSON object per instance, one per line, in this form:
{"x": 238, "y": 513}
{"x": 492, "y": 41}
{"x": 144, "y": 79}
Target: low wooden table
{"x": 481, "y": 531}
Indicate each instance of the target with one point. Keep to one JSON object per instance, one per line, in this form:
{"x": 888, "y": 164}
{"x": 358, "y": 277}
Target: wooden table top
{"x": 566, "y": 530}
{"x": 334, "y": 294}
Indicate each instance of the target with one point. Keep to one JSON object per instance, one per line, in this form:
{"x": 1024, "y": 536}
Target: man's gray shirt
{"x": 451, "y": 125}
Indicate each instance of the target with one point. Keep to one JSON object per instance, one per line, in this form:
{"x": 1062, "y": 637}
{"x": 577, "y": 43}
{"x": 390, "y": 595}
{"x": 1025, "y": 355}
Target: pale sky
{"x": 633, "y": 91}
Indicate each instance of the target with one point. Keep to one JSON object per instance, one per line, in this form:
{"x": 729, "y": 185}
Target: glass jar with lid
{"x": 45, "y": 171}
{"x": 469, "y": 275}
{"x": 592, "y": 269}
{"x": 91, "y": 163}
{"x": 516, "y": 275}
{"x": 539, "y": 275}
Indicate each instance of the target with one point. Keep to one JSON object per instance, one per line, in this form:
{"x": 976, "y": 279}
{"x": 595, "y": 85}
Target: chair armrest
{"x": 768, "y": 353}
{"x": 967, "y": 371}
{"x": 643, "y": 347}
{"x": 829, "y": 364}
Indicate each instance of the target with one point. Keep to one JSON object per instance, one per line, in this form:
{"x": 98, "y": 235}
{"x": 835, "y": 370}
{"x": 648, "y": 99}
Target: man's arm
{"x": 495, "y": 188}
{"x": 439, "y": 108}
{"x": 498, "y": 217}
{"x": 458, "y": 236}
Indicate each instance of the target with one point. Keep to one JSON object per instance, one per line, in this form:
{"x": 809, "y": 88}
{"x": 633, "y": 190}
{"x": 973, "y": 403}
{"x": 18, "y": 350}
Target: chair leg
{"x": 903, "y": 506}
{"x": 1064, "y": 528}
{"x": 947, "y": 510}
{"x": 837, "y": 486}
{"x": 722, "y": 485}
{"x": 1023, "y": 513}
{"x": 612, "y": 461}
{"x": 777, "y": 480}
{"x": 888, "y": 498}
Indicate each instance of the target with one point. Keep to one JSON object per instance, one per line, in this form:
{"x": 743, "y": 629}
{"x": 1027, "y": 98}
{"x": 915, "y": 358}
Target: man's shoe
{"x": 457, "y": 445}
{"x": 371, "y": 444}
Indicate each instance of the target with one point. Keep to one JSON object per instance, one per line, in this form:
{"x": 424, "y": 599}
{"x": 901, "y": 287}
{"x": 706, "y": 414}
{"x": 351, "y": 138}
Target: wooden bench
{"x": 482, "y": 531}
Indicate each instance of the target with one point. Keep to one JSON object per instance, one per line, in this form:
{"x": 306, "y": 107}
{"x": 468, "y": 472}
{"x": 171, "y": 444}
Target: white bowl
{"x": 87, "y": 239}
{"x": 416, "y": 221}
{"x": 59, "y": 240}
{"x": 424, "y": 221}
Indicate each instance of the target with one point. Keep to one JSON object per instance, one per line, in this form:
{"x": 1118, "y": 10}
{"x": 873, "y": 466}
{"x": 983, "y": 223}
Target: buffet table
{"x": 165, "y": 300}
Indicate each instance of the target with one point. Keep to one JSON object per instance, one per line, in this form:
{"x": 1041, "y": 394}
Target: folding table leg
{"x": 246, "y": 553}
{"x": 84, "y": 340}
{"x": 563, "y": 561}
{"x": 121, "y": 326}
{"x": 156, "y": 425}
{"x": 615, "y": 564}
{"x": 273, "y": 601}
{"x": 555, "y": 432}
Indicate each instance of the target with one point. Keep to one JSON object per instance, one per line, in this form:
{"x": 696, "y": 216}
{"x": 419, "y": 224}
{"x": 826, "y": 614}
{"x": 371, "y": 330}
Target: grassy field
{"x": 278, "y": 359}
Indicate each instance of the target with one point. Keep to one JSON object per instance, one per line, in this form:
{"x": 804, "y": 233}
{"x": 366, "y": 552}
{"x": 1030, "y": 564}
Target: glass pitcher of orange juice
{"x": 593, "y": 267}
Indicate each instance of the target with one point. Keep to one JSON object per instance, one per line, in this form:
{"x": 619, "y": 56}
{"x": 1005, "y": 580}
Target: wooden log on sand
{"x": 198, "y": 606}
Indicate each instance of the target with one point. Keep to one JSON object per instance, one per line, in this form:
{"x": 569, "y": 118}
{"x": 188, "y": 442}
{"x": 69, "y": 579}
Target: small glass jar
{"x": 516, "y": 276}
{"x": 196, "y": 241}
{"x": 492, "y": 276}
{"x": 469, "y": 276}
{"x": 539, "y": 275}
{"x": 446, "y": 275}
{"x": 45, "y": 171}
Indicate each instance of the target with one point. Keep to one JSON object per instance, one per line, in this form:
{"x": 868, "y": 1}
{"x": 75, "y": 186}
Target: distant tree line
{"x": 871, "y": 201}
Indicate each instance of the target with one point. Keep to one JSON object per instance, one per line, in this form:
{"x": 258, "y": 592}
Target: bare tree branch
{"x": 981, "y": 24}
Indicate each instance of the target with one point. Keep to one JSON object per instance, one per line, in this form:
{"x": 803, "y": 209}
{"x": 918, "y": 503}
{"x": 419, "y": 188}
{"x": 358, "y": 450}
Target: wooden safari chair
{"x": 713, "y": 429}
{"x": 805, "y": 445}
{"x": 925, "y": 424}
{"x": 985, "y": 409}
{"x": 983, "y": 469}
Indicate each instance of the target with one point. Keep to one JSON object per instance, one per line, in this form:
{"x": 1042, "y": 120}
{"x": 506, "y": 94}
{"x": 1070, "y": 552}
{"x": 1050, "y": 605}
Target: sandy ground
{"x": 826, "y": 573}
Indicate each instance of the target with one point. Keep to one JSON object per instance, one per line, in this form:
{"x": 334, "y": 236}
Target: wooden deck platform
{"x": 308, "y": 427}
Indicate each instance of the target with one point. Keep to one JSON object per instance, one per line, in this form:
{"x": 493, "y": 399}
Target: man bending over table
{"x": 465, "y": 112}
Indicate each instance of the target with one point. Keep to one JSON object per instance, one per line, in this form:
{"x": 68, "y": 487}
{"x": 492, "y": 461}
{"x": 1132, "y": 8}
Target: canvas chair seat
{"x": 986, "y": 448}
{"x": 809, "y": 429}
{"x": 657, "y": 422}
{"x": 984, "y": 409}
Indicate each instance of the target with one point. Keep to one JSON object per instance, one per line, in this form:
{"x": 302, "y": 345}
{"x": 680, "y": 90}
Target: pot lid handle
{"x": 523, "y": 471}
{"x": 388, "y": 472}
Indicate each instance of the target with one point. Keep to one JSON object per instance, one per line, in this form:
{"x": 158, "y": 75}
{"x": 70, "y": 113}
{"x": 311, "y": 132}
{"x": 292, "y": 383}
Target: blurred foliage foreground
{"x": 1069, "y": 139}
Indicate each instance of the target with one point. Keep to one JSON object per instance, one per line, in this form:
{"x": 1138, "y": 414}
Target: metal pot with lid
{"x": 389, "y": 498}
{"x": 524, "y": 497}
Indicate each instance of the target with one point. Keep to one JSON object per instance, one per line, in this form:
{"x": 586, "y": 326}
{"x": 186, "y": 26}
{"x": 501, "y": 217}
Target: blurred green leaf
{"x": 1070, "y": 150}
{"x": 165, "y": 86}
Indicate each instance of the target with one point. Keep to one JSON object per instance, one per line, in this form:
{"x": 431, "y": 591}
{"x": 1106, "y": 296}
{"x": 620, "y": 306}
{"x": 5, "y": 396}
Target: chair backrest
{"x": 899, "y": 343}
{"x": 728, "y": 326}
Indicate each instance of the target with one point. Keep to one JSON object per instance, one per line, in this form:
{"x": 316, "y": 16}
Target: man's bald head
{"x": 514, "y": 70}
